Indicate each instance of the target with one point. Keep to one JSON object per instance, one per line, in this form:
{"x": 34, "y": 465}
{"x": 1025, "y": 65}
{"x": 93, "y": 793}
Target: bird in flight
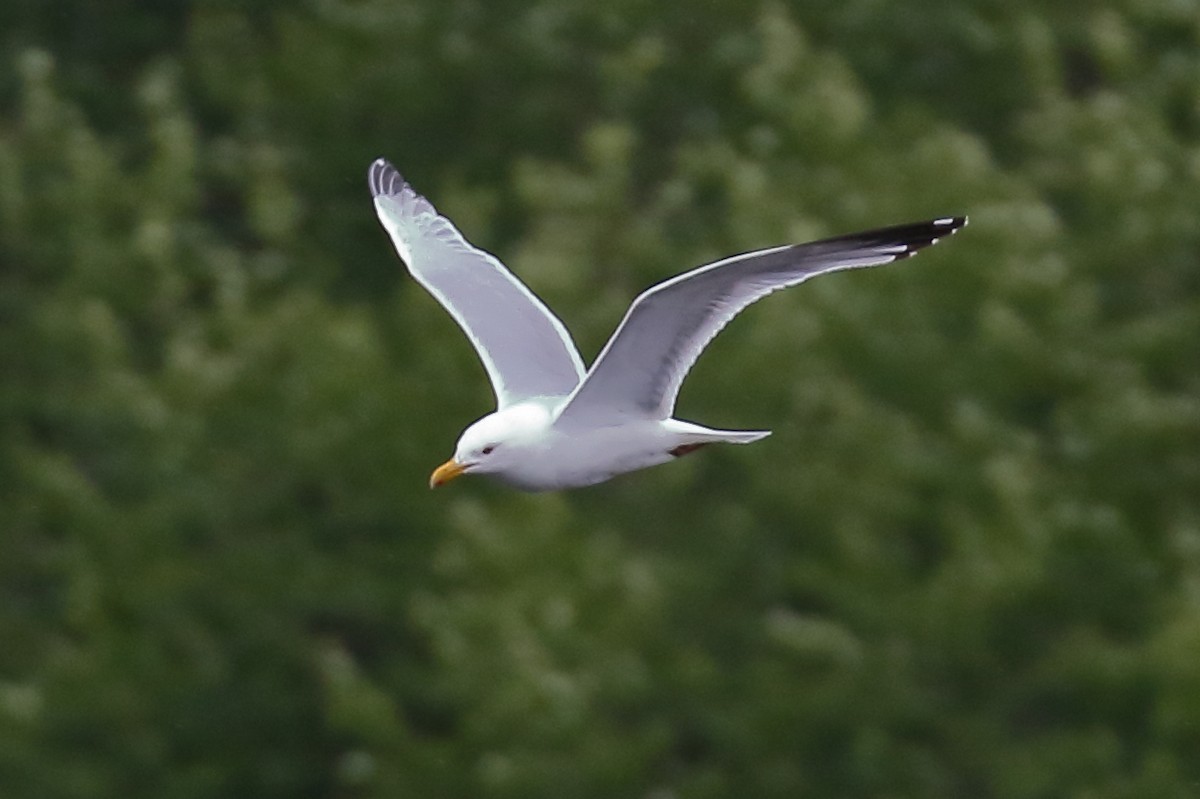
{"x": 558, "y": 424}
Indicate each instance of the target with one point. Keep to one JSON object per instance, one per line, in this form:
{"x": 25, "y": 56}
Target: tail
{"x": 739, "y": 436}
{"x": 690, "y": 433}
{"x": 695, "y": 437}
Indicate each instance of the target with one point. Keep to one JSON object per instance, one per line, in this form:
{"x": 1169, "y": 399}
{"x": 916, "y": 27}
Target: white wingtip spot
{"x": 947, "y": 221}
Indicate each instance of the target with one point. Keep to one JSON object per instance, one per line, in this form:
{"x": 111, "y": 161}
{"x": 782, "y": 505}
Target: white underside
{"x": 554, "y": 459}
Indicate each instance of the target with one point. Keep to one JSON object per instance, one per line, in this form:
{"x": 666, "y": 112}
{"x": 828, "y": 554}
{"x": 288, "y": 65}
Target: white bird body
{"x": 558, "y": 426}
{"x": 528, "y": 451}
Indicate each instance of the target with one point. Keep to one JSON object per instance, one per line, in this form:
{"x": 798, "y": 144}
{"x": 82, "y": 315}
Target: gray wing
{"x": 524, "y": 347}
{"x": 640, "y": 369}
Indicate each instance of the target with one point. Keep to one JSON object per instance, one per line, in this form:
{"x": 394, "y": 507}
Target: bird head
{"x": 494, "y": 443}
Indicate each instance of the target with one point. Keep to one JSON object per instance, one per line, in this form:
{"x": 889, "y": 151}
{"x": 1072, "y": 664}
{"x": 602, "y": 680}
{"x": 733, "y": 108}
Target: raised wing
{"x": 640, "y": 369}
{"x": 524, "y": 347}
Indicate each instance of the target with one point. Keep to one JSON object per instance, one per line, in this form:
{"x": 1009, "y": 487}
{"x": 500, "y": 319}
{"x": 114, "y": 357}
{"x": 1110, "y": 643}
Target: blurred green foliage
{"x": 967, "y": 564}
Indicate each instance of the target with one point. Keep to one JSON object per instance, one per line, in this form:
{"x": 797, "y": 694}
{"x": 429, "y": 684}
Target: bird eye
{"x": 488, "y": 449}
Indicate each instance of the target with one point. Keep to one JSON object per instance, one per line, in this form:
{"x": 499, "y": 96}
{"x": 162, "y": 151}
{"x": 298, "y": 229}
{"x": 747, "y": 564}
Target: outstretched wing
{"x": 640, "y": 369}
{"x": 524, "y": 347}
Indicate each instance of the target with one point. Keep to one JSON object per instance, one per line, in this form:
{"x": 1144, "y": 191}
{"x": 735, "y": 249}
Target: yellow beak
{"x": 445, "y": 473}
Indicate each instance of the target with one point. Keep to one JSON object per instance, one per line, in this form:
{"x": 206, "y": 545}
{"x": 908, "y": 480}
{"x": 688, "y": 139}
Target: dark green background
{"x": 967, "y": 564}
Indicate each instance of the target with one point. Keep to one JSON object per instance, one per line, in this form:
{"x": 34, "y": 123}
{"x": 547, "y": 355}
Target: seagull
{"x": 558, "y": 425}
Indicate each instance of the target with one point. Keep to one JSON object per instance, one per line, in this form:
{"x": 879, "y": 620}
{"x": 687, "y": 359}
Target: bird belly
{"x": 582, "y": 459}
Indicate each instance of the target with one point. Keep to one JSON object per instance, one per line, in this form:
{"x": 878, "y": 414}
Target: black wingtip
{"x": 926, "y": 234}
{"x": 383, "y": 179}
{"x": 907, "y": 240}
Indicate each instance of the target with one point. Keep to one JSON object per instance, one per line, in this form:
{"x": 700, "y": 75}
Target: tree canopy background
{"x": 967, "y": 564}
